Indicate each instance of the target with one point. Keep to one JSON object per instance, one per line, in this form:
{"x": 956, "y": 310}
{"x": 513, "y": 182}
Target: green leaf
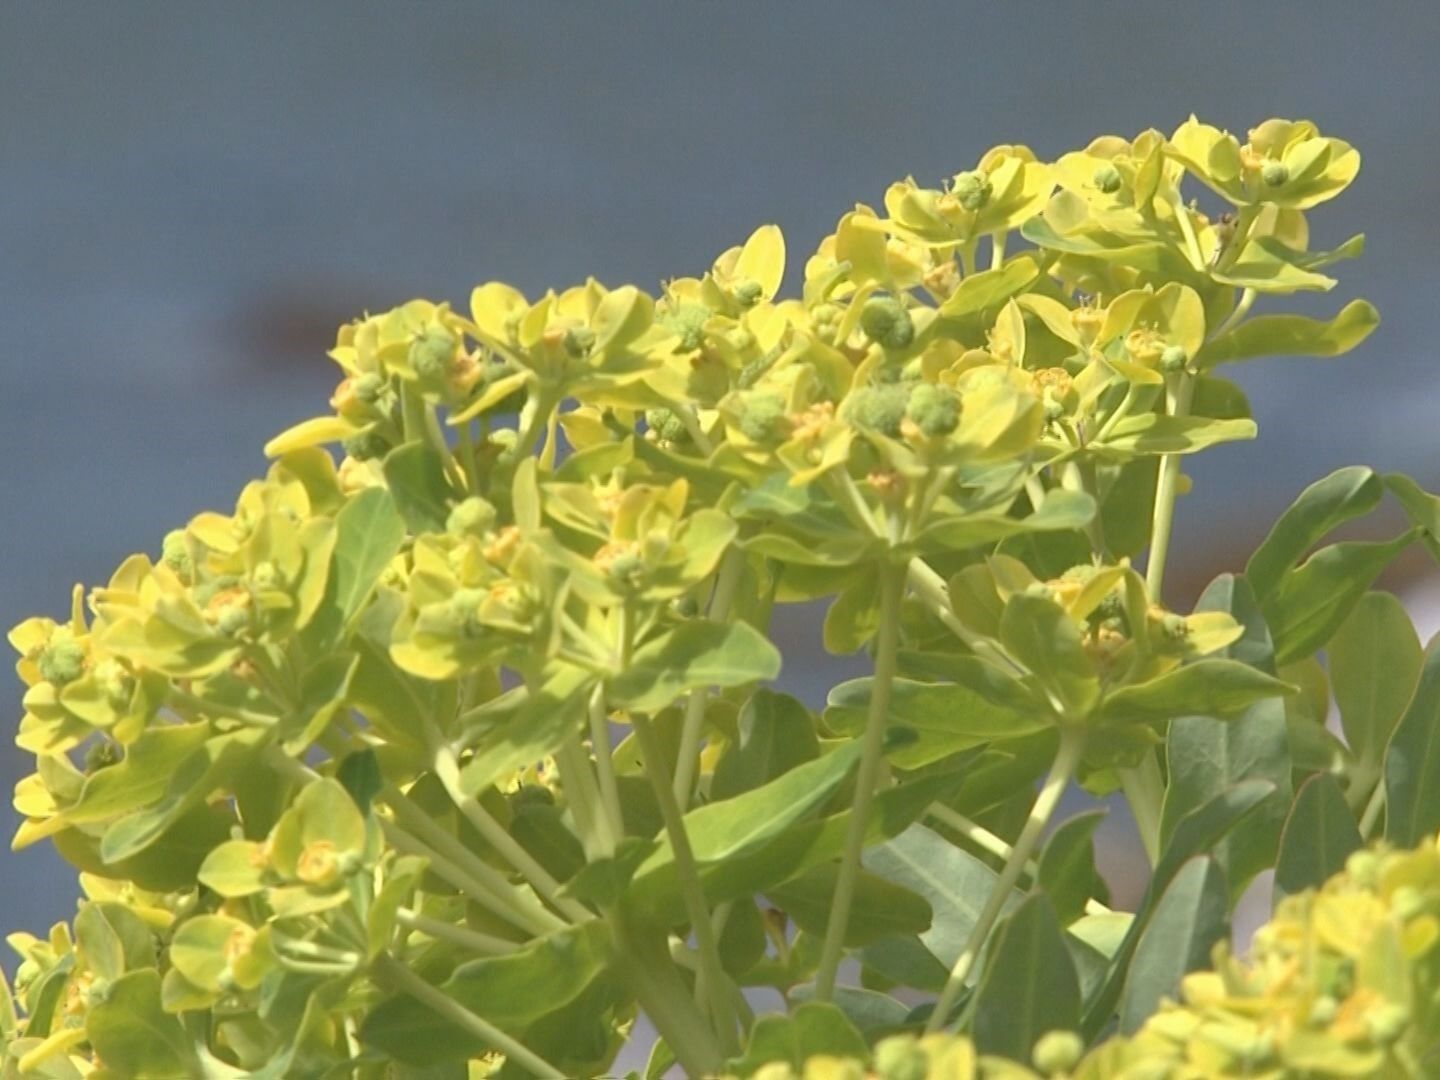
{"x": 1311, "y": 602}
{"x": 988, "y": 289}
{"x": 1061, "y": 510}
{"x": 953, "y": 882}
{"x": 873, "y": 1014}
{"x": 422, "y": 493}
{"x": 813, "y": 1029}
{"x": 135, "y": 1037}
{"x": 1268, "y": 266}
{"x": 112, "y": 939}
{"x": 533, "y": 731}
{"x": 1041, "y": 635}
{"x": 742, "y": 941}
{"x": 853, "y": 617}
{"x": 945, "y": 717}
{"x": 881, "y": 907}
{"x": 140, "y": 778}
{"x": 511, "y": 991}
{"x": 1422, "y": 508}
{"x": 1292, "y": 335}
{"x": 1412, "y": 763}
{"x": 1375, "y": 660}
{"x": 1207, "y": 756}
{"x": 198, "y": 777}
{"x": 1066, "y": 866}
{"x": 1192, "y": 915}
{"x": 776, "y": 734}
{"x": 1216, "y": 688}
{"x": 1029, "y": 986}
{"x": 360, "y": 775}
{"x": 369, "y": 531}
{"x": 788, "y": 854}
{"x": 1152, "y": 433}
{"x": 1340, "y": 497}
{"x": 730, "y": 829}
{"x": 694, "y": 655}
{"x": 1195, "y": 834}
{"x": 1319, "y": 836}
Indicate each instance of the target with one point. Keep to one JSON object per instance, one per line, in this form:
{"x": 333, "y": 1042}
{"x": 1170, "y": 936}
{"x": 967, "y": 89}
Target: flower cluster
{"x": 457, "y": 749}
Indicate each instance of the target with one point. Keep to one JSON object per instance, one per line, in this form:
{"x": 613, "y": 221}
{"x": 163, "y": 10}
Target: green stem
{"x": 1179, "y": 390}
{"x": 416, "y": 825}
{"x": 727, "y": 580}
{"x": 476, "y": 942}
{"x": 931, "y": 589}
{"x": 652, "y": 978}
{"x": 447, "y": 771}
{"x": 402, "y": 978}
{"x": 997, "y": 249}
{"x": 1072, "y": 746}
{"x": 470, "y": 466}
{"x": 584, "y": 799}
{"x": 1373, "y": 810}
{"x": 605, "y": 762}
{"x": 1145, "y": 792}
{"x": 1242, "y": 308}
{"x": 867, "y": 778}
{"x": 199, "y": 705}
{"x": 534, "y": 417}
{"x": 687, "y": 871}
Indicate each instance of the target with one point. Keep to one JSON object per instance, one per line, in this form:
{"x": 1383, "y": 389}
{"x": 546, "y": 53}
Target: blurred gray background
{"x": 193, "y": 196}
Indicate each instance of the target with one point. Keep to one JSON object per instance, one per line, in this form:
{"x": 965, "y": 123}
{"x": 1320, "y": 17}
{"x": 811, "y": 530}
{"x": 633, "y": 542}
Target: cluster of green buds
{"x": 449, "y": 745}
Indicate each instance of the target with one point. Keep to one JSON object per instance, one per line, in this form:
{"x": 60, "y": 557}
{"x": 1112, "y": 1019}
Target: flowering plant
{"x": 456, "y": 758}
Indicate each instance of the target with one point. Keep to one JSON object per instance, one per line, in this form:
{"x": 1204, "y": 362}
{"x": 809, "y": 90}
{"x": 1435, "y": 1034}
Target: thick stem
{"x": 687, "y": 871}
{"x": 727, "y": 580}
{"x": 402, "y": 978}
{"x": 1179, "y": 389}
{"x": 1072, "y": 745}
{"x": 867, "y": 779}
{"x": 1373, "y": 809}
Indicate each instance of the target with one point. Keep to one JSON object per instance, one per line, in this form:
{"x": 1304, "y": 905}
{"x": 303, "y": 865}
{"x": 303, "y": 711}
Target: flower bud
{"x": 97, "y": 992}
{"x": 233, "y": 619}
{"x": 972, "y": 189}
{"x": 880, "y": 408}
{"x": 748, "y": 293}
{"x": 471, "y": 517}
{"x": 1107, "y": 178}
{"x": 886, "y": 322}
{"x": 1057, "y": 1052}
{"x": 666, "y": 426}
{"x": 1172, "y": 359}
{"x": 62, "y": 660}
{"x": 578, "y": 341}
{"x": 934, "y": 409}
{"x": 900, "y": 1057}
{"x": 431, "y": 352}
{"x": 1323, "y": 1011}
{"x": 1274, "y": 173}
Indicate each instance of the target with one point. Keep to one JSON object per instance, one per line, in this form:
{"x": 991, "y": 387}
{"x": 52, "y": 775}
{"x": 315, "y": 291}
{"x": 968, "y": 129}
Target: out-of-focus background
{"x": 194, "y": 195}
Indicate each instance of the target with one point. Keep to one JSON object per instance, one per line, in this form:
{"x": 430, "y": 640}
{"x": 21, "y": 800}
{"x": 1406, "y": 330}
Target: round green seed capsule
{"x": 761, "y": 416}
{"x": 175, "y": 552}
{"x": 62, "y": 661}
{"x": 1057, "y": 1052}
{"x": 1274, "y": 174}
{"x": 579, "y": 340}
{"x": 973, "y": 190}
{"x": 1108, "y": 179}
{"x": 1172, "y": 359}
{"x": 366, "y": 446}
{"x": 431, "y": 352}
{"x": 886, "y": 321}
{"x": 471, "y": 517}
{"x": 687, "y": 322}
{"x": 369, "y": 387}
{"x": 900, "y": 1057}
{"x": 101, "y": 755}
{"x": 935, "y": 410}
{"x": 748, "y": 293}
{"x": 880, "y": 408}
